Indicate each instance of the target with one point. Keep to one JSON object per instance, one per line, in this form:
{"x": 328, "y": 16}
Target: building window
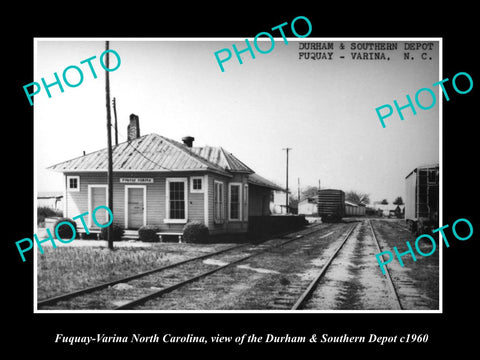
{"x": 433, "y": 176}
{"x": 196, "y": 184}
{"x": 176, "y": 200}
{"x": 235, "y": 197}
{"x": 245, "y": 202}
{"x": 73, "y": 183}
{"x": 218, "y": 202}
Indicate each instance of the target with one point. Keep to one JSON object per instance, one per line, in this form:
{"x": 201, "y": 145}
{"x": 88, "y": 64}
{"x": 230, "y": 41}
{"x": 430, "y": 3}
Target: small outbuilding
{"x": 308, "y": 206}
{"x": 51, "y": 199}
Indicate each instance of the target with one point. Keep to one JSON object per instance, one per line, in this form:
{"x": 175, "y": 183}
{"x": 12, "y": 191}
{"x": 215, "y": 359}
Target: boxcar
{"x": 331, "y": 204}
{"x": 422, "y": 198}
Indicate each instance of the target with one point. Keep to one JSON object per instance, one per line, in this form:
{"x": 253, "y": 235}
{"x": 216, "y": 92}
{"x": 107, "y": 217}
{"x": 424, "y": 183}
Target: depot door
{"x": 136, "y": 207}
{"x": 98, "y": 196}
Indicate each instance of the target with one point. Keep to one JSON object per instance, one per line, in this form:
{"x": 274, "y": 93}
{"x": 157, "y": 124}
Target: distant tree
{"x": 308, "y": 192}
{"x": 384, "y": 202}
{"x": 292, "y": 201}
{"x": 357, "y": 197}
{"x": 398, "y": 201}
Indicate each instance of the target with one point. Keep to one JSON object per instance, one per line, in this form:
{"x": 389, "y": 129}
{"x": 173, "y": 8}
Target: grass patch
{"x": 69, "y": 268}
{"x": 45, "y": 211}
{"x": 66, "y": 269}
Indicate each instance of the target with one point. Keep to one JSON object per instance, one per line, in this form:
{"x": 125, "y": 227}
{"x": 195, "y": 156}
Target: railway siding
{"x": 417, "y": 282}
{"x": 353, "y": 281}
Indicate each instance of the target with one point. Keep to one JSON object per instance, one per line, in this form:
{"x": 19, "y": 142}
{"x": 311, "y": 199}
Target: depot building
{"x": 163, "y": 182}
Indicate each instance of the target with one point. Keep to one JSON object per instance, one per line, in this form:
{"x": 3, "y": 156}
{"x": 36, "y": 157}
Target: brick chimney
{"x": 133, "y": 128}
{"x": 188, "y": 141}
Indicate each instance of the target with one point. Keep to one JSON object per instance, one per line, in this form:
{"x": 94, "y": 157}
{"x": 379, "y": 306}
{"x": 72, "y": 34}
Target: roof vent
{"x": 188, "y": 141}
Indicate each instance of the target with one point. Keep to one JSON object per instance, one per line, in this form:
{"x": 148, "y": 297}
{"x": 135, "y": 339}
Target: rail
{"x": 307, "y": 293}
{"x": 387, "y": 273}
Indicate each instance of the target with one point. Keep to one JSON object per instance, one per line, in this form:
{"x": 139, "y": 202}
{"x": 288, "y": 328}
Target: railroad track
{"x": 188, "y": 278}
{"x": 296, "y": 296}
{"x": 413, "y": 293}
{"x": 311, "y": 287}
{"x": 288, "y": 298}
{"x": 147, "y": 285}
{"x": 391, "y": 286}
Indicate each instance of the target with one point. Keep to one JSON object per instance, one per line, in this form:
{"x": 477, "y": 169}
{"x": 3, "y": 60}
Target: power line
{"x": 129, "y": 143}
{"x": 152, "y": 161}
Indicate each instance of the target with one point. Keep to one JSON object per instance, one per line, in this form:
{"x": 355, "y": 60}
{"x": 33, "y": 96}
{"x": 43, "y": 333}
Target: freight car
{"x": 422, "y": 199}
{"x": 331, "y": 205}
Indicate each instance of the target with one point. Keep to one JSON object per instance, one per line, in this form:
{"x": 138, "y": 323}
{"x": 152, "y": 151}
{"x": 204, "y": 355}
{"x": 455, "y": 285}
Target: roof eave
{"x": 267, "y": 186}
{"x": 140, "y": 171}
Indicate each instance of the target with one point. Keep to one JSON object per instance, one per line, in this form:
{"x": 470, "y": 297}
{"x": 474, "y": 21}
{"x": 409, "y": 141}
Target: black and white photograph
{"x": 244, "y": 184}
{"x": 226, "y": 194}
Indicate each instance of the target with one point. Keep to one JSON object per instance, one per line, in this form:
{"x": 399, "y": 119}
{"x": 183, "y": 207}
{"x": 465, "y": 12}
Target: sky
{"x": 324, "y": 110}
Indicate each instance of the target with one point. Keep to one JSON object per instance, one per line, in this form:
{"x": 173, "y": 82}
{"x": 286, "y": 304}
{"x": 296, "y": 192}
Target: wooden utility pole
{"x": 286, "y": 195}
{"x": 109, "y": 146}
{"x": 298, "y": 191}
{"x": 115, "y": 115}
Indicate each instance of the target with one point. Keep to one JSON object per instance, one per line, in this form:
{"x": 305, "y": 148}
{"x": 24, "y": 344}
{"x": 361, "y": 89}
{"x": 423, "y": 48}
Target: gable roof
{"x": 153, "y": 152}
{"x": 150, "y": 152}
{"x": 219, "y": 156}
